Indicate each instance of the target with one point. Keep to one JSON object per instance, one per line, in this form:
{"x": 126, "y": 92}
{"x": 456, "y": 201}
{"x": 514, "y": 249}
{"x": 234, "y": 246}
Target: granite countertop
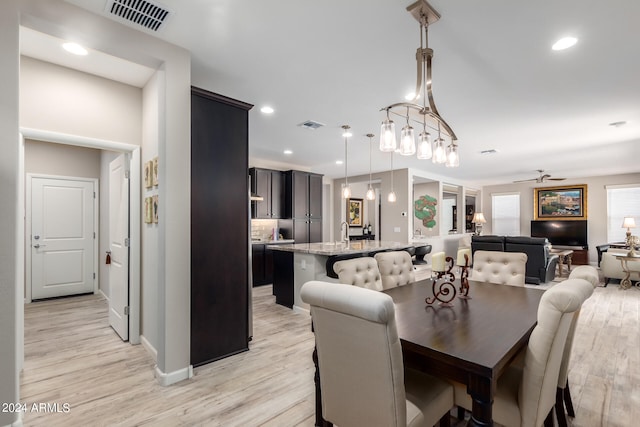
{"x": 339, "y": 248}
{"x": 273, "y": 242}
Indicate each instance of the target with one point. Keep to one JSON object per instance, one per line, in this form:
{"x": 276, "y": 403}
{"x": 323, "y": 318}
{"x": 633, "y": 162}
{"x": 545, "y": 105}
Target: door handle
{"x": 38, "y": 246}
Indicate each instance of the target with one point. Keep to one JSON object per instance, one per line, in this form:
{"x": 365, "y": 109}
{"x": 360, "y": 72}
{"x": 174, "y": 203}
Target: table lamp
{"x": 478, "y": 220}
{"x": 628, "y": 223}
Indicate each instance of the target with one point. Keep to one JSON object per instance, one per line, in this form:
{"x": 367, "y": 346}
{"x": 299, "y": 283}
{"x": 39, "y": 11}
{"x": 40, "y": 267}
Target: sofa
{"x": 611, "y": 266}
{"x": 541, "y": 263}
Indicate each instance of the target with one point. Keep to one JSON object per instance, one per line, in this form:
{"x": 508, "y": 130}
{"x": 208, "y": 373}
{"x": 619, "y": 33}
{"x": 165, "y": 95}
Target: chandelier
{"x": 426, "y": 116}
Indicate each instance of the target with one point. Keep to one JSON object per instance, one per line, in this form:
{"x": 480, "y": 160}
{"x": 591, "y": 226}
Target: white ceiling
{"x": 496, "y": 80}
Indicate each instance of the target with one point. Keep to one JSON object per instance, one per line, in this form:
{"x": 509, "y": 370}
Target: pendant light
{"x": 371, "y": 194}
{"x": 424, "y": 143}
{"x": 346, "y": 190}
{"x": 388, "y": 135}
{"x": 439, "y": 152}
{"x": 391, "y": 198}
{"x": 407, "y": 139}
{"x": 453, "y": 160}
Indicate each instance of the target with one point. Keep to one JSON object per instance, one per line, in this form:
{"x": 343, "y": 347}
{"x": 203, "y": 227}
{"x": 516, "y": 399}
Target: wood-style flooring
{"x": 73, "y": 357}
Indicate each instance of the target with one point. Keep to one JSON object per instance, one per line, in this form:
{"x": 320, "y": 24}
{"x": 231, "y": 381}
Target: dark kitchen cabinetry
{"x": 269, "y": 184}
{"x": 220, "y": 319}
{"x": 262, "y": 260}
{"x": 303, "y": 204}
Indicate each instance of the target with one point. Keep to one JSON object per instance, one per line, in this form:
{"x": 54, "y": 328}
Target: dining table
{"x": 470, "y": 340}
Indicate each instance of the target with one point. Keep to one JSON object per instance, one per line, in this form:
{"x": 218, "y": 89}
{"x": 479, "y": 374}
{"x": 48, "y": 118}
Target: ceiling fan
{"x": 544, "y": 177}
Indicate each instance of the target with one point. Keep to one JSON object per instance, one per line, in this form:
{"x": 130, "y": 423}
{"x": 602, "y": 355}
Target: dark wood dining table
{"x": 471, "y": 342}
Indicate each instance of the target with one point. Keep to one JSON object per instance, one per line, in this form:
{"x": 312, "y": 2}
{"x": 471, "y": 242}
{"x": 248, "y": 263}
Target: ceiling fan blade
{"x": 556, "y": 179}
{"x": 526, "y": 180}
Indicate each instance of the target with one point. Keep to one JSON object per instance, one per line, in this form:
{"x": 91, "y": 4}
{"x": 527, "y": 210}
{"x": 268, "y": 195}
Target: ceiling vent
{"x": 490, "y": 151}
{"x": 310, "y": 124}
{"x": 142, "y": 13}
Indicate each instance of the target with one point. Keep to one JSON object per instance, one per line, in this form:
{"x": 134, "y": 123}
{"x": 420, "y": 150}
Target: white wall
{"x": 56, "y": 159}
{"x": 596, "y": 205}
{"x": 10, "y": 290}
{"x": 63, "y": 20}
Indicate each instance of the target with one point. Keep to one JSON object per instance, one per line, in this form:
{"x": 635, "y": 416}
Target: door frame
{"x": 27, "y": 230}
{"x": 135, "y": 233}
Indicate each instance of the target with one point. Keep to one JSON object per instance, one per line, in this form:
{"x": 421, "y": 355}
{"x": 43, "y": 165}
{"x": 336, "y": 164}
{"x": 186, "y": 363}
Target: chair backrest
{"x": 566, "y": 355}
{"x": 586, "y": 272}
{"x": 537, "y": 392}
{"x": 504, "y": 268}
{"x": 362, "y": 272}
{"x": 359, "y": 355}
{"x": 395, "y": 268}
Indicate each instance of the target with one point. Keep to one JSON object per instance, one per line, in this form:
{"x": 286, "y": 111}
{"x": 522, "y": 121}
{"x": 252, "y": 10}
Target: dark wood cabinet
{"x": 270, "y": 185}
{"x": 219, "y": 227}
{"x": 262, "y": 264}
{"x": 303, "y": 203}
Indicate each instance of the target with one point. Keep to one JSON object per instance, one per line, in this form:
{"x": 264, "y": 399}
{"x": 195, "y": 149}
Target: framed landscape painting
{"x": 354, "y": 212}
{"x": 567, "y": 202}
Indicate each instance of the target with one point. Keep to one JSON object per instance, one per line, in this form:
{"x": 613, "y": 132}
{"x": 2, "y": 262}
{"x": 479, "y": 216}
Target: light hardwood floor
{"x": 73, "y": 357}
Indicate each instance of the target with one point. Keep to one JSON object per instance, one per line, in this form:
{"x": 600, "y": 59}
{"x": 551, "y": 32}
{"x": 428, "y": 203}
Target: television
{"x": 561, "y": 233}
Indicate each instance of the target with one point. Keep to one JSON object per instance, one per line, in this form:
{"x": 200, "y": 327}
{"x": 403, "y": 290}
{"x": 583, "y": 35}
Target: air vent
{"x": 142, "y": 13}
{"x": 491, "y": 151}
{"x": 310, "y": 124}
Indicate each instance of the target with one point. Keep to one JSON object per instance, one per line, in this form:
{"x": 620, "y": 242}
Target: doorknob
{"x": 38, "y": 245}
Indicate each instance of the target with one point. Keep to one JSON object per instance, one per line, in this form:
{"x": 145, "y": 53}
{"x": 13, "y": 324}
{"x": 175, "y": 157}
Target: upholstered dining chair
{"x": 396, "y": 268}
{"x": 362, "y": 272}
{"x": 525, "y": 395}
{"x": 563, "y": 393}
{"x": 362, "y": 377}
{"x": 503, "y": 268}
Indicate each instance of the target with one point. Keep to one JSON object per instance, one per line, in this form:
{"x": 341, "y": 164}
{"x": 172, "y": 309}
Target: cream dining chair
{"x": 503, "y": 268}
{"x": 563, "y": 394}
{"x": 396, "y": 268}
{"x": 362, "y": 272}
{"x": 525, "y": 395}
{"x": 362, "y": 377}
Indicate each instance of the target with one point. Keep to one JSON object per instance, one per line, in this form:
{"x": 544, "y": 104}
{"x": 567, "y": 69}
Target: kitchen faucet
{"x": 344, "y": 235}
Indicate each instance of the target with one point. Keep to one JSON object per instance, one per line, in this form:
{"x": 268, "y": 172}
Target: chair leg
{"x": 567, "y": 401}
{"x": 445, "y": 421}
{"x": 562, "y": 420}
{"x": 606, "y": 281}
{"x": 460, "y": 413}
{"x": 548, "y": 422}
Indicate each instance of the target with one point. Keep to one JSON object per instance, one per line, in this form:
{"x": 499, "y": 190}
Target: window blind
{"x": 505, "y": 214}
{"x": 622, "y": 201}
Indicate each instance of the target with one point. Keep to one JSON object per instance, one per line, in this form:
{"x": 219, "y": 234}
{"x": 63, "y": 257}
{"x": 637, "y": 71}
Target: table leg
{"x": 626, "y": 282}
{"x": 560, "y": 262}
{"x": 481, "y": 390}
{"x": 569, "y": 262}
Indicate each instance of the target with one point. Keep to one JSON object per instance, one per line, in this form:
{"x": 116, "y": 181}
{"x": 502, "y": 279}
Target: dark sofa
{"x": 541, "y": 263}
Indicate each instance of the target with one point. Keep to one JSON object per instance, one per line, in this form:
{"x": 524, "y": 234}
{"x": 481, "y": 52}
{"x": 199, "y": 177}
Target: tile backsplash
{"x": 263, "y": 228}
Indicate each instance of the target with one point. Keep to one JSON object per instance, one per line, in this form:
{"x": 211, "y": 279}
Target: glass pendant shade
{"x": 407, "y": 141}
{"x": 371, "y": 194}
{"x": 392, "y": 197}
{"x": 346, "y": 192}
{"x": 439, "y": 153}
{"x": 452, "y": 156}
{"x": 388, "y": 136}
{"x": 424, "y": 146}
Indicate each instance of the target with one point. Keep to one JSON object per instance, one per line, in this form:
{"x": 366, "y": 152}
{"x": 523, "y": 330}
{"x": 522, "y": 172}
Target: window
{"x": 505, "y": 214}
{"x": 622, "y": 200}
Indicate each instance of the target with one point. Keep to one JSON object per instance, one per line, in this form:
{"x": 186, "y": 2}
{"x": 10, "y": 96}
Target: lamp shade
{"x": 478, "y": 218}
{"x": 629, "y": 222}
{"x": 388, "y": 136}
{"x": 407, "y": 141}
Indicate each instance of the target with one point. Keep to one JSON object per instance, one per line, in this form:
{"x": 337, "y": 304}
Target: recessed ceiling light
{"x": 338, "y": 162}
{"x": 75, "y": 48}
{"x": 564, "y": 43}
{"x": 288, "y": 152}
{"x": 267, "y": 110}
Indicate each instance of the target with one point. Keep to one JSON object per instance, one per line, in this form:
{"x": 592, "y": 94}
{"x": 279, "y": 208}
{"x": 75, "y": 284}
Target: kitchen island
{"x": 296, "y": 264}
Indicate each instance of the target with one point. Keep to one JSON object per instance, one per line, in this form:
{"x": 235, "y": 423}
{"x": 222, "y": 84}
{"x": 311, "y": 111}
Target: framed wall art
{"x": 154, "y": 208}
{"x": 154, "y": 172}
{"x": 148, "y": 180}
{"x": 354, "y": 212}
{"x": 148, "y": 210}
{"x": 566, "y": 202}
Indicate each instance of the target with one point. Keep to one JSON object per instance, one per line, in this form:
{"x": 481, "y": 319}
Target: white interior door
{"x": 119, "y": 246}
{"x": 62, "y": 237}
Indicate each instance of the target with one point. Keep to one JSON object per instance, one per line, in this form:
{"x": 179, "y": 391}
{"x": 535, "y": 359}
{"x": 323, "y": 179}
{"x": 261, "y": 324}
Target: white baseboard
{"x": 103, "y": 294}
{"x": 18, "y": 422}
{"x": 167, "y": 379}
{"x": 150, "y": 349}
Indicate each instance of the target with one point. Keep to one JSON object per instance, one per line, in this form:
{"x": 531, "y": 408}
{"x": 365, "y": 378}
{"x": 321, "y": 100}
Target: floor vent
{"x": 310, "y": 124}
{"x": 142, "y": 13}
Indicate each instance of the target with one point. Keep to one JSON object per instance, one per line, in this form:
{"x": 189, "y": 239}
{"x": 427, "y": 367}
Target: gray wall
{"x": 596, "y": 205}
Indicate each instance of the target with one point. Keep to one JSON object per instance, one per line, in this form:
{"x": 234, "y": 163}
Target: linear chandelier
{"x": 426, "y": 116}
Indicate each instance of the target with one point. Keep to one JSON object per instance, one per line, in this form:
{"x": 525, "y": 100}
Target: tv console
{"x": 580, "y": 254}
